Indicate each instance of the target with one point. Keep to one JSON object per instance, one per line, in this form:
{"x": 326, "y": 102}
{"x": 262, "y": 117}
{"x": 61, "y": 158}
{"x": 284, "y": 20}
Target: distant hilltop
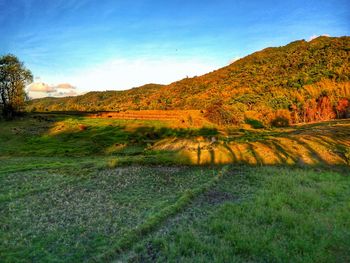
{"x": 301, "y": 82}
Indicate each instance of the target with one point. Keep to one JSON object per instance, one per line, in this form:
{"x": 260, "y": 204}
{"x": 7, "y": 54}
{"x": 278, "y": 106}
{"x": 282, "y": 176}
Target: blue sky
{"x": 105, "y": 44}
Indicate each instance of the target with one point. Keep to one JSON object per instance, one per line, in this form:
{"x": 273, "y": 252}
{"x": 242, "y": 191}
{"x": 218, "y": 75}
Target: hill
{"x": 300, "y": 82}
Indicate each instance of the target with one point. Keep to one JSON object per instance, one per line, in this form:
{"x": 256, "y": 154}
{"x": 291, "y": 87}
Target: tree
{"x": 13, "y": 79}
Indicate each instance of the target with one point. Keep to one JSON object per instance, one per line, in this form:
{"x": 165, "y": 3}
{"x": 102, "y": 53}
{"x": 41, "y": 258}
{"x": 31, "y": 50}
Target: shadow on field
{"x": 324, "y": 144}
{"x": 136, "y": 142}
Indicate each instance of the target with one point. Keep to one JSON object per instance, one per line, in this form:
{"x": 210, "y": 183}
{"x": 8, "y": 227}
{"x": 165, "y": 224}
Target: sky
{"x": 76, "y": 46}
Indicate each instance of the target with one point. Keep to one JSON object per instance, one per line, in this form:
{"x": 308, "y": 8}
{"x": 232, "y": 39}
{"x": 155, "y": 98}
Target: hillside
{"x": 300, "y": 82}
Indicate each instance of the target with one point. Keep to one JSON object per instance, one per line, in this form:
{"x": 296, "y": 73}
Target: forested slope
{"x": 300, "y": 82}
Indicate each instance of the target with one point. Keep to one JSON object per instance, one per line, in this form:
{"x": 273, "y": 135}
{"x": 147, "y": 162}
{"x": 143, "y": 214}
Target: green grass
{"x": 60, "y": 135}
{"x": 102, "y": 194}
{"x": 87, "y": 212}
{"x": 78, "y": 214}
{"x": 267, "y": 214}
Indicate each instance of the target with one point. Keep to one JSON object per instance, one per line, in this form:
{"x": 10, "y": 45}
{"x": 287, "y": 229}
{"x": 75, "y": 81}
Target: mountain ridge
{"x": 259, "y": 80}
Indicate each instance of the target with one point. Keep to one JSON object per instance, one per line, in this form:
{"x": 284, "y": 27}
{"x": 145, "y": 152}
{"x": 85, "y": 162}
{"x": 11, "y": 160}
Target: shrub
{"x": 262, "y": 113}
{"x": 256, "y": 124}
{"x": 280, "y": 122}
{"x": 282, "y": 119}
{"x": 222, "y": 115}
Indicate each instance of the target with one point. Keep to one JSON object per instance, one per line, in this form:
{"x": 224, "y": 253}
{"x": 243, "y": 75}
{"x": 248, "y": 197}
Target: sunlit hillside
{"x": 301, "y": 82}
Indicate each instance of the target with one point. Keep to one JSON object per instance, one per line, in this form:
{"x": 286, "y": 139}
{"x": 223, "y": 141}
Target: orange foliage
{"x": 343, "y": 108}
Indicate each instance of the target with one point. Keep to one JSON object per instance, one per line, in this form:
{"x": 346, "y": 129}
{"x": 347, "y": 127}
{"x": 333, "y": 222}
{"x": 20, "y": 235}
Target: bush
{"x": 280, "y": 122}
{"x": 256, "y": 124}
{"x": 282, "y": 119}
{"x": 262, "y": 113}
{"x": 222, "y": 115}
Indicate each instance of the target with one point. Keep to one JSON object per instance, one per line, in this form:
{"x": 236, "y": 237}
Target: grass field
{"x": 75, "y": 189}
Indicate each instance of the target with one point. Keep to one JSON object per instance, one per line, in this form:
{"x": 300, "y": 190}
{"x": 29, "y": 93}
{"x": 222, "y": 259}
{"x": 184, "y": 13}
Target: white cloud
{"x": 316, "y": 36}
{"x": 40, "y": 87}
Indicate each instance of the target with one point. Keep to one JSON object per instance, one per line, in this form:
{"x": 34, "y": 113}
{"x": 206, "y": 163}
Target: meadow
{"x": 79, "y": 188}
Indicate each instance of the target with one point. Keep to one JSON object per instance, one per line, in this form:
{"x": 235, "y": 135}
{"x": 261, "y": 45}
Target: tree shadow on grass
{"x": 140, "y": 144}
{"x": 301, "y": 149}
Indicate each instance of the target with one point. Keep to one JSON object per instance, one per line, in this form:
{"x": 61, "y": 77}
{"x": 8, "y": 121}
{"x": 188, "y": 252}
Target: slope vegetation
{"x": 300, "y": 82}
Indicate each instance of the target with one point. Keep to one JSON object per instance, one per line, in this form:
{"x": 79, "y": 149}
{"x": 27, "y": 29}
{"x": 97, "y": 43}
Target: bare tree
{"x": 14, "y": 76}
